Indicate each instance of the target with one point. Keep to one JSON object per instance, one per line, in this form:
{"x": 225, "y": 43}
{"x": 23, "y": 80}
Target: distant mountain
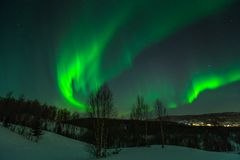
{"x": 220, "y": 118}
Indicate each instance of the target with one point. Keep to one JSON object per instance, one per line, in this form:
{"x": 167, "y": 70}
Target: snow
{"x": 56, "y": 147}
{"x": 50, "y": 147}
{"x": 171, "y": 153}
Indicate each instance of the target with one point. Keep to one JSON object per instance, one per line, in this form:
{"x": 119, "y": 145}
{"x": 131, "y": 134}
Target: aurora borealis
{"x": 173, "y": 50}
{"x": 211, "y": 81}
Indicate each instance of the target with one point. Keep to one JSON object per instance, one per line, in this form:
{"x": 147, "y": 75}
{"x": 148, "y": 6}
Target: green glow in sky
{"x": 78, "y": 64}
{"x": 96, "y": 31}
{"x": 210, "y": 82}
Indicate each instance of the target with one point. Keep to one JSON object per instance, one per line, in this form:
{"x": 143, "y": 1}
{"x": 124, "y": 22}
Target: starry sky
{"x": 185, "y": 53}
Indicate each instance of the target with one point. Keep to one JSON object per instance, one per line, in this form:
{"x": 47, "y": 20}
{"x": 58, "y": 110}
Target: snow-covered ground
{"x": 56, "y": 147}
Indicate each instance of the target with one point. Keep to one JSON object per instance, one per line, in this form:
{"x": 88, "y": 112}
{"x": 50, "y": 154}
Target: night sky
{"x": 185, "y": 53}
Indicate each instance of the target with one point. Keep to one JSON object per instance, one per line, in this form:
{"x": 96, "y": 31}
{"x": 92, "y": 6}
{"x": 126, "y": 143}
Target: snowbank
{"x": 56, "y": 147}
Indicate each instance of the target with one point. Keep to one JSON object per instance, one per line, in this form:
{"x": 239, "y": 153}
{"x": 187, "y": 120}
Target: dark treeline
{"x": 115, "y": 133}
{"x": 22, "y": 111}
{"x": 130, "y": 133}
{"x": 31, "y": 117}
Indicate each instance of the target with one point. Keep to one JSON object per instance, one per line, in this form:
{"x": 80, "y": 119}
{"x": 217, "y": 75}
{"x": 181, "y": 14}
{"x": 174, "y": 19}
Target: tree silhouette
{"x": 36, "y": 128}
{"x": 160, "y": 111}
{"x": 100, "y": 108}
{"x": 140, "y": 111}
{"x": 6, "y": 122}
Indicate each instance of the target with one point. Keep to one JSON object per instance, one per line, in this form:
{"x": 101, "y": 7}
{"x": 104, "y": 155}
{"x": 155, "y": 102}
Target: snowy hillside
{"x": 56, "y": 147}
{"x": 50, "y": 147}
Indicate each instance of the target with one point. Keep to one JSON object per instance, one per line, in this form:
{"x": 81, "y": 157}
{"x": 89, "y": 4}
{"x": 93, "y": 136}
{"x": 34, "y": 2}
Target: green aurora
{"x": 95, "y": 33}
{"x": 210, "y": 81}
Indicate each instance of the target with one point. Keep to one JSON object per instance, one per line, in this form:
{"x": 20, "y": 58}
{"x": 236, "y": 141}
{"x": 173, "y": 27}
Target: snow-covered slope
{"x": 56, "y": 147}
{"x": 171, "y": 153}
{"x": 50, "y": 147}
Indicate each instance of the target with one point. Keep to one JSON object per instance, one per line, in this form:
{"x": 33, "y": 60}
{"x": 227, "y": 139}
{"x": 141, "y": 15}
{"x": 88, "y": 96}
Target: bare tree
{"x": 145, "y": 110}
{"x": 160, "y": 111}
{"x": 140, "y": 111}
{"x": 100, "y": 108}
{"x": 137, "y": 110}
